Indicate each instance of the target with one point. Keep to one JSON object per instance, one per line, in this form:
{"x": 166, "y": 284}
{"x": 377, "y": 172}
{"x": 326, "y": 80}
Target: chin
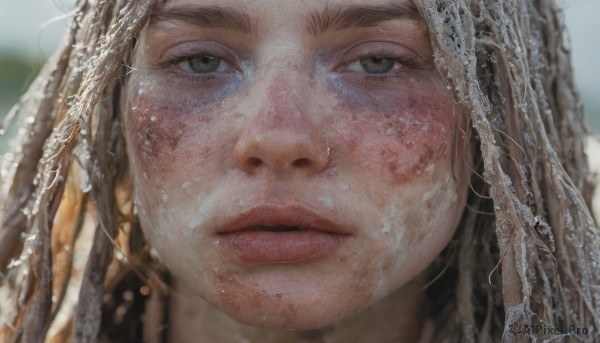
{"x": 277, "y": 313}
{"x": 301, "y": 321}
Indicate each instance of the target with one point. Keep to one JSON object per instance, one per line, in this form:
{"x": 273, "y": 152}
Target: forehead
{"x": 315, "y": 17}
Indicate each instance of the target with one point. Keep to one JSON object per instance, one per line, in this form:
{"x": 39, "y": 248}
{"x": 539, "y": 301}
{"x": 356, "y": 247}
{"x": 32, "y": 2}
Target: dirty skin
{"x": 372, "y": 154}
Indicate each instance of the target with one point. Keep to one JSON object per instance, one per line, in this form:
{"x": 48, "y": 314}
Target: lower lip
{"x": 281, "y": 247}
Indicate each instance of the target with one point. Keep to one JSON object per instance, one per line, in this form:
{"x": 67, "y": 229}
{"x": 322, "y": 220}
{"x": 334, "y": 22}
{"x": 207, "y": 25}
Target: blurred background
{"x": 31, "y": 29}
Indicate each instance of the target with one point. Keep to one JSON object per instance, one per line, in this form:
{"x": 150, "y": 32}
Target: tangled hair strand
{"x": 506, "y": 63}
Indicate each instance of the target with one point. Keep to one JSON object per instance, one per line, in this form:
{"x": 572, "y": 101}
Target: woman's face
{"x": 293, "y": 162}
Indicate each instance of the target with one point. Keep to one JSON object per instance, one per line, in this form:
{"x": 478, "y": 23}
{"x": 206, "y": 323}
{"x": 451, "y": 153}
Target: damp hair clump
{"x": 74, "y": 265}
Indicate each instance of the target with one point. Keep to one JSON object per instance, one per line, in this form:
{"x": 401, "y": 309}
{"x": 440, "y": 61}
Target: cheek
{"x": 413, "y": 235}
{"x": 400, "y": 147}
{"x": 166, "y": 137}
{"x": 172, "y": 153}
{"x": 155, "y": 129}
{"x": 405, "y": 140}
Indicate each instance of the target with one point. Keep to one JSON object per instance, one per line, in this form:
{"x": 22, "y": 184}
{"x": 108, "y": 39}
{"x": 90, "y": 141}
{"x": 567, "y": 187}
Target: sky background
{"x": 35, "y": 27}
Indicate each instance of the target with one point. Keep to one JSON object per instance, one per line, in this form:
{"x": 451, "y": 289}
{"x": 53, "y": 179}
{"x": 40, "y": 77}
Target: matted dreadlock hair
{"x": 527, "y": 251}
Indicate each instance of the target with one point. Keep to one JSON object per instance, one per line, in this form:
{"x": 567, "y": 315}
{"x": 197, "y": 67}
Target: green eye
{"x": 203, "y": 64}
{"x": 377, "y": 64}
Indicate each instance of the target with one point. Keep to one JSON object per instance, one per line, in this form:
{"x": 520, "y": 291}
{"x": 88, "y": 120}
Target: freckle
{"x": 430, "y": 205}
{"x": 355, "y": 139}
{"x": 205, "y": 153}
{"x": 292, "y": 309}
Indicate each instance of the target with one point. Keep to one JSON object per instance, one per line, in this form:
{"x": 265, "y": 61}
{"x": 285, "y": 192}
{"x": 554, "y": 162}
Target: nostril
{"x": 301, "y": 162}
{"x": 254, "y": 162}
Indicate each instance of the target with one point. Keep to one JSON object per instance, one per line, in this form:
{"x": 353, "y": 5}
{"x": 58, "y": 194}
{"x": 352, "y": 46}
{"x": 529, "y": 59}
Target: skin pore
{"x": 332, "y": 108}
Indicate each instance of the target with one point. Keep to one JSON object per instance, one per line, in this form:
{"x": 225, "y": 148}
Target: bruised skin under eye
{"x": 404, "y": 129}
{"x": 410, "y": 140}
{"x": 161, "y": 115}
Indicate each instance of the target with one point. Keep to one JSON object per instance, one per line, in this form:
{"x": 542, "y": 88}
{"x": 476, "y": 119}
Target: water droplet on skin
{"x": 164, "y": 196}
{"x": 187, "y": 187}
{"x": 152, "y": 118}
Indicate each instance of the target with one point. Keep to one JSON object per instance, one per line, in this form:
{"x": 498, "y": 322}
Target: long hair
{"x": 526, "y": 254}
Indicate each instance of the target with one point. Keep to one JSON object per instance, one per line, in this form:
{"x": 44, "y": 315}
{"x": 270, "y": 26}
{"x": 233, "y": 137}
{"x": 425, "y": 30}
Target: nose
{"x": 280, "y": 137}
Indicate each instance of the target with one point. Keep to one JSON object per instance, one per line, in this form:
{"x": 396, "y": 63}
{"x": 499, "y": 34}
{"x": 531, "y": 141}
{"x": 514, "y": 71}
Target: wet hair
{"x": 525, "y": 253}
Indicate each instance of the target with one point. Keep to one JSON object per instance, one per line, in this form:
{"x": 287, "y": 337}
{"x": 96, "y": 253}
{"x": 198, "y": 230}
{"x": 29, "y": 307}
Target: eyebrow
{"x": 342, "y": 17}
{"x": 331, "y": 17}
{"x": 206, "y": 16}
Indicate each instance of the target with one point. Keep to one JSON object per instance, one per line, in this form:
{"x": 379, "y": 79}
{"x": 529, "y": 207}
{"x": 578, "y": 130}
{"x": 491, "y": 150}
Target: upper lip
{"x": 277, "y": 215}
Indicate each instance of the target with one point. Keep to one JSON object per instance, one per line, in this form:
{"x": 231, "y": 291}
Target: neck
{"x": 399, "y": 317}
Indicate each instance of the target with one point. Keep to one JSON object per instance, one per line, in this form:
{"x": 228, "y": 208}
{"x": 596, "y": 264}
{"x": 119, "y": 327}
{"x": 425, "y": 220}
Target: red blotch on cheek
{"x": 155, "y": 129}
{"x": 404, "y": 165}
{"x": 406, "y": 139}
{"x": 419, "y": 142}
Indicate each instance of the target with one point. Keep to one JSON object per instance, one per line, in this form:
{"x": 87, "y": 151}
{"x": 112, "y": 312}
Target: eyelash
{"x": 186, "y": 54}
{"x": 404, "y": 62}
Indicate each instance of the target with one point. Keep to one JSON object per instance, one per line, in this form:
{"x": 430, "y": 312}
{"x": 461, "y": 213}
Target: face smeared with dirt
{"x": 288, "y": 117}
